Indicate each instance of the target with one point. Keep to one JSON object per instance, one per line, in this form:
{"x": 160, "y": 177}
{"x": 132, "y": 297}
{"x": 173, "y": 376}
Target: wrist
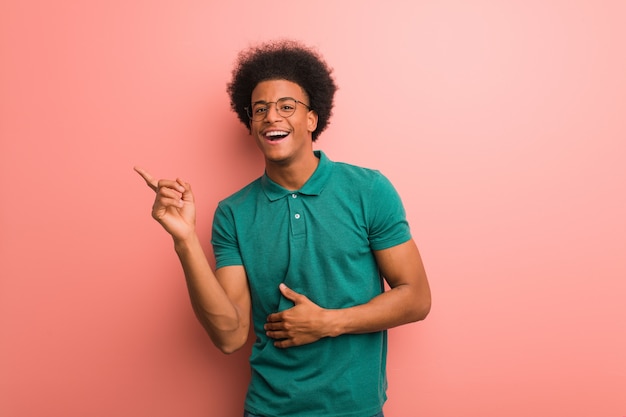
{"x": 334, "y": 323}
{"x": 182, "y": 245}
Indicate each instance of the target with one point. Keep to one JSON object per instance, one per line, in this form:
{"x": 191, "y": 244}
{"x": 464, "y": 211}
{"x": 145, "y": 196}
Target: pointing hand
{"x": 174, "y": 206}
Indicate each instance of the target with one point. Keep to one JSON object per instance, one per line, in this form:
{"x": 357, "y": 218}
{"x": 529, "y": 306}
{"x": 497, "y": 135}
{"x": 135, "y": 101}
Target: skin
{"x": 289, "y": 161}
{"x": 221, "y": 298}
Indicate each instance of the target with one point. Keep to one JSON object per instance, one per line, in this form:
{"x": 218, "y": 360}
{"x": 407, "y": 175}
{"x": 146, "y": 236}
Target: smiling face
{"x": 283, "y": 140}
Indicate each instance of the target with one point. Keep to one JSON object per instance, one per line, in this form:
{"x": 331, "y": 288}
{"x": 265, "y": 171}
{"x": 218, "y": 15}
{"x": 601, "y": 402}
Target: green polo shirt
{"x": 319, "y": 241}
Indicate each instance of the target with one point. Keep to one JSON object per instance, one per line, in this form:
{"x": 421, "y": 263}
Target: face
{"x": 283, "y": 140}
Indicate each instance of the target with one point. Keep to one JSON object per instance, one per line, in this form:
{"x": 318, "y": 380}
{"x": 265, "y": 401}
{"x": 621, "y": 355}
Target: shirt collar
{"x": 313, "y": 186}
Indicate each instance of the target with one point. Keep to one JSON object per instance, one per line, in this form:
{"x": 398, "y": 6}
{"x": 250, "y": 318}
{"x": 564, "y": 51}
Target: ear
{"x": 312, "y": 121}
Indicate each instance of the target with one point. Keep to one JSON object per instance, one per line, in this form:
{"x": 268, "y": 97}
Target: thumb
{"x": 289, "y": 293}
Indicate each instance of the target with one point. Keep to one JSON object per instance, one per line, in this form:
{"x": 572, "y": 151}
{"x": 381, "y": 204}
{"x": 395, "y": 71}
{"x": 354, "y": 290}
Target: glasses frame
{"x": 267, "y": 103}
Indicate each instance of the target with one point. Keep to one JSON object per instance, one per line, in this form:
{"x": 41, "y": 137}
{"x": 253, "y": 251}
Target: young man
{"x": 302, "y": 251}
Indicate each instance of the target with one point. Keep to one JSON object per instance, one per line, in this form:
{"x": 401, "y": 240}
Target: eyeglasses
{"x": 285, "y": 107}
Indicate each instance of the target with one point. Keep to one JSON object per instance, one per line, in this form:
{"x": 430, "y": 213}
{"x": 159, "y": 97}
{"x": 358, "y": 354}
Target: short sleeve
{"x": 388, "y": 226}
{"x": 224, "y": 239}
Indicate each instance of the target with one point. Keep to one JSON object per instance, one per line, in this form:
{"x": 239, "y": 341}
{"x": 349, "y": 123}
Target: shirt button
{"x": 294, "y": 195}
{"x": 297, "y": 216}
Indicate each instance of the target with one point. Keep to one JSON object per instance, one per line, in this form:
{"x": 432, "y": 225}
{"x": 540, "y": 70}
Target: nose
{"x": 272, "y": 114}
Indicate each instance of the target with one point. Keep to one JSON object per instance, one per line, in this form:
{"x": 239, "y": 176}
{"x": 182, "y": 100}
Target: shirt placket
{"x": 296, "y": 215}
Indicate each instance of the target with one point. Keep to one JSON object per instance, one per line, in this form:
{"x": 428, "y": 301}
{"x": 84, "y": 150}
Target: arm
{"x": 220, "y": 299}
{"x": 407, "y": 301}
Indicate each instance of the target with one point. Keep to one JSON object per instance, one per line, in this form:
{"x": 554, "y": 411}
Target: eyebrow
{"x": 265, "y": 102}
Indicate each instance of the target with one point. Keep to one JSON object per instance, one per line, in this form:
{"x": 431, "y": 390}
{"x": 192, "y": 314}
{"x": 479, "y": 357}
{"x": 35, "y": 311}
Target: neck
{"x": 292, "y": 175}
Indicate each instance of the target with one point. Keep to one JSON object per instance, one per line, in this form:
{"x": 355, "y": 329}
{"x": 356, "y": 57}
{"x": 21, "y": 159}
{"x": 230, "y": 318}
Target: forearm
{"x": 400, "y": 305}
{"x": 306, "y": 322}
{"x": 408, "y": 300}
{"x": 224, "y": 322}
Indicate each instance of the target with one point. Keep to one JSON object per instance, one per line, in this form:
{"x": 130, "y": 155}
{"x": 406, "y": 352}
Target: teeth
{"x": 276, "y": 133}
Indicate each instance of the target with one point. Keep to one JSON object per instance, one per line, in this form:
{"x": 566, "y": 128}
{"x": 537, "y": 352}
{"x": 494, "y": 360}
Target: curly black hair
{"x": 283, "y": 60}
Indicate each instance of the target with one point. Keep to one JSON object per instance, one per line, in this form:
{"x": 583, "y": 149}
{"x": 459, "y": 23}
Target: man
{"x": 302, "y": 250}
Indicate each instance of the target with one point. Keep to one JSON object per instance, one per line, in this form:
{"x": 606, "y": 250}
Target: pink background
{"x": 502, "y": 124}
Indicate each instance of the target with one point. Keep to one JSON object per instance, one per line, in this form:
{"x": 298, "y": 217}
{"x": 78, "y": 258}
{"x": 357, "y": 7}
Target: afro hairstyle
{"x": 283, "y": 60}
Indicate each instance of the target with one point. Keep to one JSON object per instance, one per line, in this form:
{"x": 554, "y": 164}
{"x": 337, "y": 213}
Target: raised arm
{"x": 220, "y": 299}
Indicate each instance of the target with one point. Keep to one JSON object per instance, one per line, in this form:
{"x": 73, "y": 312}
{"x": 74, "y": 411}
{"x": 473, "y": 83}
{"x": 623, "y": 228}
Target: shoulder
{"x": 360, "y": 177}
{"x": 243, "y": 195}
{"x": 356, "y": 171}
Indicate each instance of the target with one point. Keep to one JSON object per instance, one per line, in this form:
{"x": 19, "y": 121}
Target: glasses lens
{"x": 286, "y": 106}
{"x": 257, "y": 111}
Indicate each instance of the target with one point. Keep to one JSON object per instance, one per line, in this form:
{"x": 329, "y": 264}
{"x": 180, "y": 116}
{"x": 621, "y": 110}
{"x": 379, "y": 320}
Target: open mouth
{"x": 276, "y": 135}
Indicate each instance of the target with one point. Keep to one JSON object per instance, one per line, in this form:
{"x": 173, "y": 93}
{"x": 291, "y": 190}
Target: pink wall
{"x": 502, "y": 124}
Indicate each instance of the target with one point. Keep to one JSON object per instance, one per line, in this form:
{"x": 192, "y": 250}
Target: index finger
{"x": 149, "y": 179}
{"x": 273, "y": 318}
